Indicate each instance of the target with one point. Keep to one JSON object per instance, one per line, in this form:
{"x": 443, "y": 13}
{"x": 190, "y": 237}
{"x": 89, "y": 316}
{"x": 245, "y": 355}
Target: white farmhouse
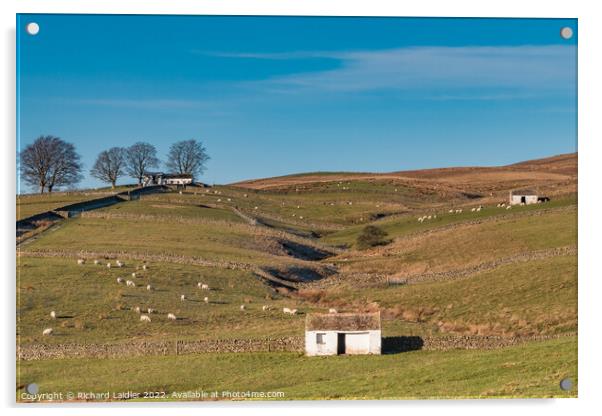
{"x": 342, "y": 333}
{"x": 160, "y": 178}
{"x": 525, "y": 197}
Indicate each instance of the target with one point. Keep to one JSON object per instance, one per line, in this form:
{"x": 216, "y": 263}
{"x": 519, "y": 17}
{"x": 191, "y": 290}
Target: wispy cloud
{"x": 442, "y": 68}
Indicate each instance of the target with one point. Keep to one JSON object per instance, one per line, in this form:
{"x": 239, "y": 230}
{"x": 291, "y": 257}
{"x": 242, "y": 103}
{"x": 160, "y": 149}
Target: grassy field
{"x": 92, "y": 307}
{"x": 465, "y": 245}
{"x": 530, "y": 370}
{"x": 533, "y": 291}
{"x": 402, "y": 225}
{"x": 538, "y": 297}
{"x": 32, "y": 204}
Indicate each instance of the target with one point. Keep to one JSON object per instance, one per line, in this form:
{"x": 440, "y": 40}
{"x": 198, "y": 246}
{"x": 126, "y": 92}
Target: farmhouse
{"x": 160, "y": 178}
{"x": 526, "y": 197}
{"x": 342, "y": 333}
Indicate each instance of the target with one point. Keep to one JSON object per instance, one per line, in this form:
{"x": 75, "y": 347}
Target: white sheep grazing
{"x": 145, "y": 318}
{"x": 171, "y": 317}
{"x": 265, "y": 308}
{"x": 435, "y": 216}
{"x": 509, "y": 207}
{"x": 96, "y": 262}
{"x": 451, "y": 211}
{"x": 47, "y": 331}
{"x": 130, "y": 283}
{"x": 80, "y": 261}
{"x": 182, "y": 298}
{"x": 150, "y": 310}
{"x": 294, "y": 312}
{"x": 119, "y": 264}
{"x": 134, "y": 274}
{"x": 204, "y": 287}
{"x": 119, "y": 280}
{"x": 429, "y": 217}
{"x": 53, "y": 314}
{"x": 332, "y": 310}
{"x": 420, "y": 219}
{"x": 109, "y": 265}
{"x": 144, "y": 267}
{"x": 137, "y": 309}
{"x": 206, "y": 299}
{"x": 473, "y": 210}
{"x": 149, "y": 287}
{"x": 255, "y": 207}
{"x": 479, "y": 209}
{"x": 243, "y": 307}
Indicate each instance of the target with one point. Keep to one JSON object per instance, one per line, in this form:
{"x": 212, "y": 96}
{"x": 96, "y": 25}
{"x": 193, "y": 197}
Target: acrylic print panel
{"x": 292, "y": 208}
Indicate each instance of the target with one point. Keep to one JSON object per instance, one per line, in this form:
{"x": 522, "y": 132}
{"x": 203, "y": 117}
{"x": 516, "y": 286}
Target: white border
{"x": 590, "y": 135}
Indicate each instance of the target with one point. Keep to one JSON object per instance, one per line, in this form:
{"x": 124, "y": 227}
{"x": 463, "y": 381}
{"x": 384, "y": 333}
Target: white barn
{"x": 160, "y": 178}
{"x": 524, "y": 196}
{"x": 342, "y": 333}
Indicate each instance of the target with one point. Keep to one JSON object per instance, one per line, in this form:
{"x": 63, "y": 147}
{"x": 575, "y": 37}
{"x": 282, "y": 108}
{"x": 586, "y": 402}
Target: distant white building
{"x": 342, "y": 333}
{"x": 525, "y": 197}
{"x": 160, "y": 178}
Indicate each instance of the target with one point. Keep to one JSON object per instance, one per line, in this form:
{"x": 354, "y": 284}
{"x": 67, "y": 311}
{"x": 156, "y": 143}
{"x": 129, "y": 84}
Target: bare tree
{"x": 50, "y": 162}
{"x": 109, "y": 165}
{"x": 187, "y": 156}
{"x": 138, "y": 158}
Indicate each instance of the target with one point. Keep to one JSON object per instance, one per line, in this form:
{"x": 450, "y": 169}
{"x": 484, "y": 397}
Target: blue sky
{"x": 271, "y": 96}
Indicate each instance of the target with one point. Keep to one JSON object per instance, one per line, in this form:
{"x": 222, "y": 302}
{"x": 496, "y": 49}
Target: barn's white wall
{"x": 529, "y": 199}
{"x": 358, "y": 342}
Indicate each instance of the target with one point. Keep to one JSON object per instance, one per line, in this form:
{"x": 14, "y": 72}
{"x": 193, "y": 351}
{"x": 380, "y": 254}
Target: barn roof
{"x": 342, "y": 321}
{"x": 523, "y": 192}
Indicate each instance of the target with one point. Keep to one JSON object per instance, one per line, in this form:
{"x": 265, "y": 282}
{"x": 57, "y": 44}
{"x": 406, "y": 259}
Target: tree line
{"x": 51, "y": 162}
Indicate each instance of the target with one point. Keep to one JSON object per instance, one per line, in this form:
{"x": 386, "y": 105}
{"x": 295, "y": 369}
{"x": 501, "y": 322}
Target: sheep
{"x": 294, "y": 312}
{"x": 130, "y": 283}
{"x": 119, "y": 263}
{"x": 145, "y": 318}
{"x": 265, "y": 308}
{"x": 243, "y": 307}
{"x": 435, "y": 216}
{"x": 206, "y": 299}
{"x": 53, "y": 314}
{"x": 255, "y": 207}
{"x": 134, "y": 275}
{"x": 119, "y": 280}
{"x": 96, "y": 262}
{"x": 420, "y": 219}
{"x": 451, "y": 211}
{"x": 80, "y": 261}
{"x": 149, "y": 287}
{"x": 473, "y": 210}
{"x": 479, "y": 209}
{"x": 109, "y": 265}
{"x": 429, "y": 217}
{"x": 47, "y": 332}
{"x": 171, "y": 317}
{"x": 332, "y": 310}
{"x": 144, "y": 267}
{"x": 203, "y": 286}
{"x": 137, "y": 309}
{"x": 150, "y": 310}
{"x": 509, "y": 207}
{"x": 182, "y": 298}
{"x": 286, "y": 310}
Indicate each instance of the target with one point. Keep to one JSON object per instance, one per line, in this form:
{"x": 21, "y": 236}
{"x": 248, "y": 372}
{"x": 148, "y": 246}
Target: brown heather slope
{"x": 556, "y": 175}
